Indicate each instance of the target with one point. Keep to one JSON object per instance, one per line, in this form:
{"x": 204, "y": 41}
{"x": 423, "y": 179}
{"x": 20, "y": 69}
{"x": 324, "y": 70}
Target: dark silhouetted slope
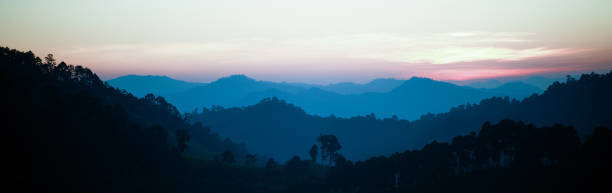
{"x": 67, "y": 131}
{"x": 504, "y": 157}
{"x": 584, "y": 103}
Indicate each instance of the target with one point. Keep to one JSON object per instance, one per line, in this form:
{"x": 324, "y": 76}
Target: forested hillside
{"x": 504, "y": 157}
{"x": 67, "y": 131}
{"x": 583, "y": 103}
{"x": 278, "y": 128}
{"x": 65, "y": 127}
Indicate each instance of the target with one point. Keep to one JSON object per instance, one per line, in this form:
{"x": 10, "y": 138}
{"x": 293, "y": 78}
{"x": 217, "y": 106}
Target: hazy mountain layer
{"x": 159, "y": 85}
{"x": 274, "y": 127}
{"x": 385, "y": 97}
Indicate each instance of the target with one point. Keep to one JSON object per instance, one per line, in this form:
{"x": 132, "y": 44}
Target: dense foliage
{"x": 506, "y": 157}
{"x": 65, "y": 127}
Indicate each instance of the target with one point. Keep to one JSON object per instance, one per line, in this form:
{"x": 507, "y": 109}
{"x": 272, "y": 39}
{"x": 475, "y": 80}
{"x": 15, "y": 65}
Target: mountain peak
{"x": 416, "y": 78}
{"x": 423, "y": 81}
{"x": 236, "y": 78}
{"x": 422, "y": 84}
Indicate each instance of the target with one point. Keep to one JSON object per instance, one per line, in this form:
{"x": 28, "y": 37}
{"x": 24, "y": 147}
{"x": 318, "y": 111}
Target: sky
{"x": 316, "y": 41}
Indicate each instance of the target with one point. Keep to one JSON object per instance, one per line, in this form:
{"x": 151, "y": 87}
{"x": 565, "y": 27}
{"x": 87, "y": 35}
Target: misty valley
{"x": 69, "y": 131}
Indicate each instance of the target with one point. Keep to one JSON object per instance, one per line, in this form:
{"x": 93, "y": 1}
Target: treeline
{"x": 505, "y": 157}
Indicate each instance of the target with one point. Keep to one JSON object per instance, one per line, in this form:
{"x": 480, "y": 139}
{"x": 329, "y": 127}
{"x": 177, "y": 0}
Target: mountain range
{"x": 536, "y": 80}
{"x": 407, "y": 99}
{"x": 158, "y": 85}
{"x": 280, "y": 129}
{"x": 68, "y": 131}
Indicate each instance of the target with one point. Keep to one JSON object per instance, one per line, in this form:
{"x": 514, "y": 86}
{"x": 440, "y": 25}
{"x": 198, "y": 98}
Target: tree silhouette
{"x": 250, "y": 160}
{"x": 182, "y": 137}
{"x": 49, "y": 60}
{"x": 329, "y": 147}
{"x": 314, "y": 150}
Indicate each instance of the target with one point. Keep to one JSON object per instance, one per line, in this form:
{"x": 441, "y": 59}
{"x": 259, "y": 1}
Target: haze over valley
{"x": 286, "y": 96}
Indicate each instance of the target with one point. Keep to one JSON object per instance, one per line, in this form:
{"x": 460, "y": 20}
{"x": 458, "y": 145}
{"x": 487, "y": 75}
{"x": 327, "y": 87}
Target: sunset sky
{"x": 316, "y": 41}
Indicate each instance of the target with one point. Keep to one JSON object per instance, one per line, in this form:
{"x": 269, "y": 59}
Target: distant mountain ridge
{"x": 158, "y": 85}
{"x": 537, "y": 81}
{"x": 384, "y": 97}
{"x": 583, "y": 104}
{"x": 491, "y": 83}
{"x": 381, "y": 85}
{"x": 515, "y": 89}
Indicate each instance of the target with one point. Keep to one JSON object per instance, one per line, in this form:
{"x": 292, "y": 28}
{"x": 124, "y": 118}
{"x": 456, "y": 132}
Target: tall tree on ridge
{"x": 329, "y": 147}
{"x": 314, "y": 150}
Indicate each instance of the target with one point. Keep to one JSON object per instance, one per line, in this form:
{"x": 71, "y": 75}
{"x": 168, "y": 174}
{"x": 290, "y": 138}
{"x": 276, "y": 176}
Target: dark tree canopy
{"x": 329, "y": 147}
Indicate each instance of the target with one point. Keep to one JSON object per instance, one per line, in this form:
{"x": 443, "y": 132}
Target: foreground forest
{"x": 68, "y": 131}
